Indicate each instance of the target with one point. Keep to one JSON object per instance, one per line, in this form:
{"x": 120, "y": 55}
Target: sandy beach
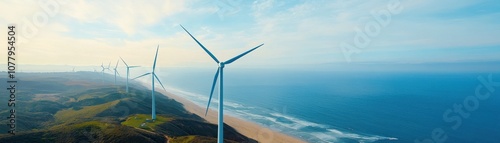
{"x": 249, "y": 129}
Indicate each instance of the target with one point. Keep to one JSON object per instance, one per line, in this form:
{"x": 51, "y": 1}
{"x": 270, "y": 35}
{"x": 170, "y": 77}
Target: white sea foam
{"x": 252, "y": 117}
{"x": 323, "y": 137}
{"x": 233, "y": 105}
{"x": 302, "y": 123}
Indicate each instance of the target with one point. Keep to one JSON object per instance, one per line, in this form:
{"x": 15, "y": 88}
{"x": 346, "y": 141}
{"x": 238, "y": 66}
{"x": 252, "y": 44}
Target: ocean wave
{"x": 233, "y": 105}
{"x": 324, "y": 132}
{"x": 300, "y": 122}
{"x": 361, "y": 138}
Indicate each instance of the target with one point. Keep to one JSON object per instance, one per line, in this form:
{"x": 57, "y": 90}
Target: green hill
{"x": 86, "y": 112}
{"x": 79, "y": 107}
{"x": 92, "y": 131}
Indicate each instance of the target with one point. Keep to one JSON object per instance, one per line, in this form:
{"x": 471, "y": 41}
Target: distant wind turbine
{"x": 109, "y": 66}
{"x": 102, "y": 72}
{"x": 220, "y": 69}
{"x": 128, "y": 68}
{"x": 153, "y": 76}
{"x": 116, "y": 71}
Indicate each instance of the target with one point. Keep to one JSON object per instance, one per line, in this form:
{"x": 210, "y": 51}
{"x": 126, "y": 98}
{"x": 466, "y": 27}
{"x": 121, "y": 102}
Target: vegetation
{"x": 92, "y": 131}
{"x": 186, "y": 127}
{"x": 143, "y": 121}
{"x": 87, "y": 112}
{"x": 192, "y": 139}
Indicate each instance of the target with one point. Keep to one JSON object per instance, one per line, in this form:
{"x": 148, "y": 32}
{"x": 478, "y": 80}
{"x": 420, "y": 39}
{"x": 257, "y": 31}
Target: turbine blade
{"x": 133, "y": 66}
{"x": 156, "y": 56}
{"x": 208, "y": 52}
{"x": 124, "y": 62}
{"x": 109, "y": 64}
{"x": 241, "y": 55}
{"x": 158, "y": 79}
{"x": 117, "y": 73}
{"x": 142, "y": 75}
{"x": 117, "y": 64}
{"x": 212, "y": 90}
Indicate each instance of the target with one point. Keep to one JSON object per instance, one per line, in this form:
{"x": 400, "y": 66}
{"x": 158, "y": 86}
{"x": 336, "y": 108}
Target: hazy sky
{"x": 86, "y": 33}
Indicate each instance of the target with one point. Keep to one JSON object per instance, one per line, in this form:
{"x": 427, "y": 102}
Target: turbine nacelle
{"x": 222, "y": 64}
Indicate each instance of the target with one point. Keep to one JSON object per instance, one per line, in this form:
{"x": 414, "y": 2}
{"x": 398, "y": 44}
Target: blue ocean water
{"x": 320, "y": 106}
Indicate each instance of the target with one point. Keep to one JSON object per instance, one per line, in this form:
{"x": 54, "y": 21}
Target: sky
{"x": 296, "y": 33}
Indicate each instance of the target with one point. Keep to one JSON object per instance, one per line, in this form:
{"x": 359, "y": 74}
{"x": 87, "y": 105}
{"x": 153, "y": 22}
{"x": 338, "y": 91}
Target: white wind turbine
{"x": 103, "y": 69}
{"x": 153, "y": 77}
{"x": 128, "y": 69}
{"x": 220, "y": 69}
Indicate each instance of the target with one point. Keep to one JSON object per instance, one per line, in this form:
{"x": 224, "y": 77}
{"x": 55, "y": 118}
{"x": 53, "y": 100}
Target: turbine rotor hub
{"x": 221, "y": 64}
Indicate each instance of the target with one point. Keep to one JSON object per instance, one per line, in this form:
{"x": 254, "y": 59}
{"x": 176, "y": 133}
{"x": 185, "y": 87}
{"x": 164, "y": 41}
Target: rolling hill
{"x": 81, "y": 107}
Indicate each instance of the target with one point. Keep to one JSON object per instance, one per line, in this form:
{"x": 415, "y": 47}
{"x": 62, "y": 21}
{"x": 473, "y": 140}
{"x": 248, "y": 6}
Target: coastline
{"x": 247, "y": 128}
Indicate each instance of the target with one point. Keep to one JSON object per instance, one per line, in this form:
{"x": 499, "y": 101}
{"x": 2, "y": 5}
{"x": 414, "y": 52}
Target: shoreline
{"x": 247, "y": 128}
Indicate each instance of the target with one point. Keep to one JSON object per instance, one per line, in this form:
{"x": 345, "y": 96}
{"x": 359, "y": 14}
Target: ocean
{"x": 332, "y": 106}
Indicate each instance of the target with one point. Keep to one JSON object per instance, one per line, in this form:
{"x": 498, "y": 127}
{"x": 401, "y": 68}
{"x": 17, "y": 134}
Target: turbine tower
{"x": 220, "y": 71}
{"x": 128, "y": 68}
{"x": 153, "y": 76}
{"x": 116, "y": 71}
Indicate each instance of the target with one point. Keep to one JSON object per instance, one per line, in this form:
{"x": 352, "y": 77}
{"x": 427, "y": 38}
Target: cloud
{"x": 130, "y": 16}
{"x": 294, "y": 32}
{"x": 303, "y": 29}
{"x": 16, "y": 11}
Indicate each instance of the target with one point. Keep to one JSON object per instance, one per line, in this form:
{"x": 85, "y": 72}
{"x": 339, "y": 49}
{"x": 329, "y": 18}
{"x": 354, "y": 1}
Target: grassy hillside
{"x": 79, "y": 107}
{"x": 186, "y": 127}
{"x": 92, "y": 131}
{"x": 184, "y": 130}
{"x": 87, "y": 112}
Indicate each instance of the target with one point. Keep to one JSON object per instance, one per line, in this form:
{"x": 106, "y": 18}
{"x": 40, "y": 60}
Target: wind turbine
{"x": 116, "y": 71}
{"x": 153, "y": 76}
{"x": 108, "y": 66}
{"x": 128, "y": 68}
{"x": 102, "y": 72}
{"x": 220, "y": 69}
{"x": 103, "y": 69}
